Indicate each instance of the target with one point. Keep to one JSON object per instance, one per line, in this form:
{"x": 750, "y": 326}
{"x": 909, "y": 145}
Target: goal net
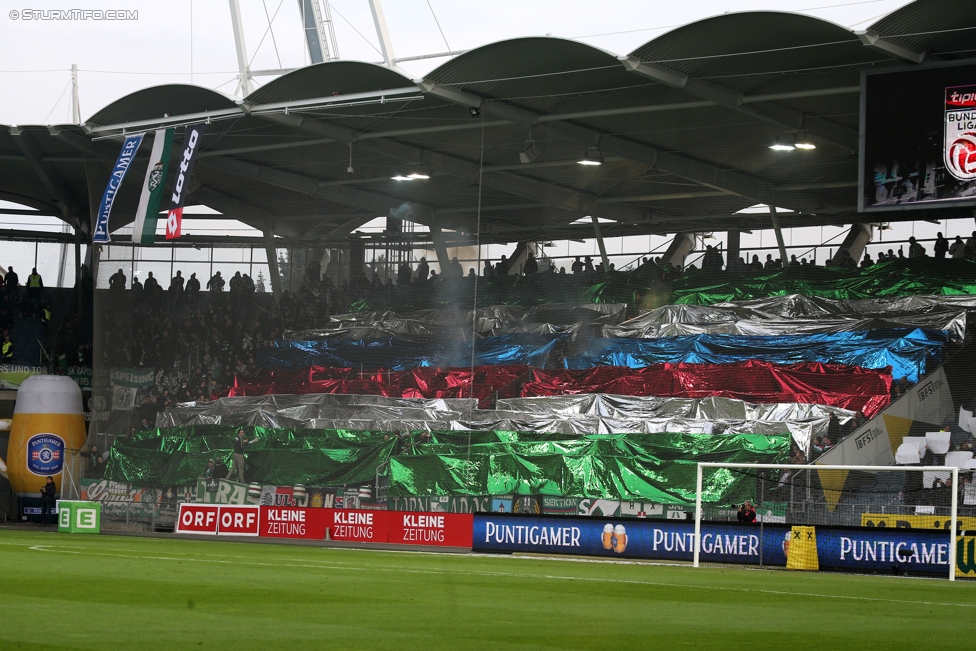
{"x": 909, "y": 520}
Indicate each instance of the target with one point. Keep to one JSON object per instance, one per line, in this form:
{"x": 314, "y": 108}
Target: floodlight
{"x": 591, "y": 157}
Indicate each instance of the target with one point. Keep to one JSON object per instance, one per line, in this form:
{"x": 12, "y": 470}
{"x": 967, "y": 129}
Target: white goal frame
{"x": 954, "y": 522}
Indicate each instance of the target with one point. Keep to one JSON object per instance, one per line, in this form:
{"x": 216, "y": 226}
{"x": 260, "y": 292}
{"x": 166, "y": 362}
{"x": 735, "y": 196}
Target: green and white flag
{"x": 144, "y": 228}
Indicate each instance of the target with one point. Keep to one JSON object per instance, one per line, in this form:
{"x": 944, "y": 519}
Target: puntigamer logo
{"x": 45, "y": 454}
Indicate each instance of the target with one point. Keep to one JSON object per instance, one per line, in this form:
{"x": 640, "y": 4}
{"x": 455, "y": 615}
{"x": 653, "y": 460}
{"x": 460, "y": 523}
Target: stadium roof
{"x": 683, "y": 124}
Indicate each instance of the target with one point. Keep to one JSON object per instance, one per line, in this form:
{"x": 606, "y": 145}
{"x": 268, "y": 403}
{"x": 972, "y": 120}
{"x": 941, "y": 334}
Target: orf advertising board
{"x": 218, "y": 519}
{"x": 918, "y": 138}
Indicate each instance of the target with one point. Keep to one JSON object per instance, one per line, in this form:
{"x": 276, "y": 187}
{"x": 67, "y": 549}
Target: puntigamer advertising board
{"x": 918, "y": 137}
{"x": 858, "y": 549}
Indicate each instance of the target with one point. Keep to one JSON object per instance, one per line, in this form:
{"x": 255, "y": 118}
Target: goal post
{"x": 901, "y": 519}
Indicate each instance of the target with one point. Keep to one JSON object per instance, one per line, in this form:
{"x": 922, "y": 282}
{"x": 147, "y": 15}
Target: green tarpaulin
{"x": 654, "y": 467}
{"x": 178, "y": 455}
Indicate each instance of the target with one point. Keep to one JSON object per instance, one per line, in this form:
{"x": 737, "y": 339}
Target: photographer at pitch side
{"x": 747, "y": 513}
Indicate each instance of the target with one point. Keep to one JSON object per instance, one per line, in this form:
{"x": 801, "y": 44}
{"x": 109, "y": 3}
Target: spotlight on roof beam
{"x": 474, "y": 111}
{"x": 530, "y": 153}
{"x": 805, "y": 144}
{"x": 591, "y": 157}
{"x": 399, "y": 176}
{"x": 782, "y": 146}
{"x": 413, "y": 176}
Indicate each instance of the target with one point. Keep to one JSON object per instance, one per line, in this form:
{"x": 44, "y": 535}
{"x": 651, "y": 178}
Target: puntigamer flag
{"x": 126, "y": 156}
{"x": 191, "y": 145}
{"x": 144, "y": 228}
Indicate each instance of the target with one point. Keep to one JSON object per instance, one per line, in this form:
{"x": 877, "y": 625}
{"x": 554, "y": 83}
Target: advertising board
{"x": 918, "y": 138}
{"x": 859, "y": 549}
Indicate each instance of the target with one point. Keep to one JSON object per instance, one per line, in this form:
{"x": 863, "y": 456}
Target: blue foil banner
{"x": 126, "y": 156}
{"x": 908, "y": 353}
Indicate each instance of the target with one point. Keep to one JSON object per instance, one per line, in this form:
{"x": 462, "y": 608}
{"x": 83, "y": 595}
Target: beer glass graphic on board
{"x": 608, "y": 536}
{"x": 48, "y": 421}
{"x": 619, "y": 539}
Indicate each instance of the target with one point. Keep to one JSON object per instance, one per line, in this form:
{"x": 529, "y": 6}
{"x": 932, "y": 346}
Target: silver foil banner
{"x": 798, "y": 314}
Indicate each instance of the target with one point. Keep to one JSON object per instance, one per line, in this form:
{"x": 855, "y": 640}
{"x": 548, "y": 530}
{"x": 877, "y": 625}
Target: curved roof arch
{"x": 743, "y": 50}
{"x": 329, "y": 78}
{"x": 170, "y": 99}
{"x": 530, "y": 67}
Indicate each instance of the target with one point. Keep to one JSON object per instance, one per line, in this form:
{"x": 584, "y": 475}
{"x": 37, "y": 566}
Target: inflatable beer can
{"x": 48, "y": 421}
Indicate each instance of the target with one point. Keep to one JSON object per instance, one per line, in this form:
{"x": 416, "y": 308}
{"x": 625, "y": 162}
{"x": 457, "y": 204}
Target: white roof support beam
{"x": 781, "y": 116}
{"x": 878, "y": 42}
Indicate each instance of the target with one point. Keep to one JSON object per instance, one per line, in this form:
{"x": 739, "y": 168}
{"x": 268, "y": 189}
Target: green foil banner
{"x": 283, "y": 457}
{"x": 659, "y": 468}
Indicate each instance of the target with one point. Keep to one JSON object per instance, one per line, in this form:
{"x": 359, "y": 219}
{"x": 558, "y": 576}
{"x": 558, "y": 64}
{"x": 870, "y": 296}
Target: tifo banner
{"x": 126, "y": 156}
{"x": 147, "y": 214}
{"x": 11, "y": 377}
{"x": 118, "y": 498}
{"x": 191, "y": 147}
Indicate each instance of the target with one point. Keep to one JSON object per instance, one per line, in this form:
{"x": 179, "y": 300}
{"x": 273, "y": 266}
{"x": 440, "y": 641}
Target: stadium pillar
{"x": 680, "y": 247}
{"x": 600, "y": 243}
{"x": 440, "y": 248}
{"x": 779, "y": 235}
{"x": 79, "y": 293}
{"x": 732, "y": 251}
{"x": 273, "y": 272}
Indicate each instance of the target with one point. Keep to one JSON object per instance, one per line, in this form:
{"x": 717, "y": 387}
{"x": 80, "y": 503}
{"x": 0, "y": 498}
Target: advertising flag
{"x": 191, "y": 145}
{"x": 144, "y": 228}
{"x": 126, "y": 156}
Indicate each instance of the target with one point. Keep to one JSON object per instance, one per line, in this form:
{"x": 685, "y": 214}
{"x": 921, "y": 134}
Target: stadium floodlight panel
{"x": 591, "y": 157}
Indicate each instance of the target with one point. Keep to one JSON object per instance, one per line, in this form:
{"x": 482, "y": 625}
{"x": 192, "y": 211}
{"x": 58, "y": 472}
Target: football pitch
{"x": 118, "y": 592}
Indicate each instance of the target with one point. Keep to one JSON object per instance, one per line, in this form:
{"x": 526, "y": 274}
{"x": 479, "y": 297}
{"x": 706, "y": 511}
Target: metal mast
{"x": 244, "y": 84}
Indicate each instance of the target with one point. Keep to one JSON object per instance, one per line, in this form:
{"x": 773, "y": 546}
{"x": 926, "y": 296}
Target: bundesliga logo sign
{"x": 960, "y": 132}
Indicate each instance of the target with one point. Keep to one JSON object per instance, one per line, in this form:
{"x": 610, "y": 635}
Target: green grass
{"x": 113, "y": 592}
